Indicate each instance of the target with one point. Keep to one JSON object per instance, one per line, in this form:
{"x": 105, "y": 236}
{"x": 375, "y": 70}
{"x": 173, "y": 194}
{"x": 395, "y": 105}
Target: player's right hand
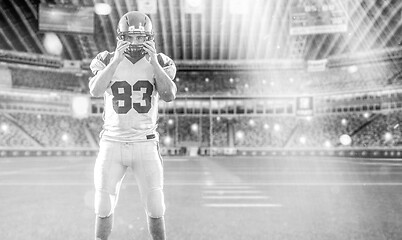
{"x": 120, "y": 48}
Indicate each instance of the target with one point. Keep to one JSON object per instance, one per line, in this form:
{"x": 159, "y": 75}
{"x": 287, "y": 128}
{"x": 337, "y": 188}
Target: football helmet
{"x": 137, "y": 24}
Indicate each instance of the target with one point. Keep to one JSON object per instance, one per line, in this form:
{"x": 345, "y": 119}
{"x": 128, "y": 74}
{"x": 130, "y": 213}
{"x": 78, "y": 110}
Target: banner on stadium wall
{"x": 304, "y": 106}
{"x": 5, "y": 77}
{"x": 71, "y": 64}
{"x": 317, "y": 65}
{"x": 80, "y": 106}
{"x": 317, "y": 17}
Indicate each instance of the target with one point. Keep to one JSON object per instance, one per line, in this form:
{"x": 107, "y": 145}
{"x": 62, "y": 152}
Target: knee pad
{"x": 155, "y": 203}
{"x": 104, "y": 204}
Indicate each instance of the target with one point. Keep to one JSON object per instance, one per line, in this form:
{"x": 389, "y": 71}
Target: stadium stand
{"x": 186, "y": 124}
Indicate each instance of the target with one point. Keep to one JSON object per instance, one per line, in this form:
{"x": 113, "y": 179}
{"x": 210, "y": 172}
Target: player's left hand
{"x": 149, "y": 48}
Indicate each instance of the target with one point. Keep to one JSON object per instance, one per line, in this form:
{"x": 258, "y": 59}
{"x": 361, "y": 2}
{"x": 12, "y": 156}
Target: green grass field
{"x": 211, "y": 198}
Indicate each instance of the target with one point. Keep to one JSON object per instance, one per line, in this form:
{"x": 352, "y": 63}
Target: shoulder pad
{"x": 167, "y": 64}
{"x": 164, "y": 60}
{"x": 101, "y": 61}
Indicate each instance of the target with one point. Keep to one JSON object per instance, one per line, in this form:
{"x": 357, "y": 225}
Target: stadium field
{"x": 211, "y": 198}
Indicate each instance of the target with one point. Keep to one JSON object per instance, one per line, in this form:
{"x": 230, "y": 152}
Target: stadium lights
{"x": 170, "y": 122}
{"x": 277, "y": 127}
{"x": 344, "y": 122}
{"x": 177, "y": 79}
{"x": 64, "y": 137}
{"x": 206, "y": 79}
{"x": 388, "y": 136}
{"x": 103, "y": 9}
{"x": 366, "y": 115}
{"x": 52, "y": 44}
{"x": 167, "y": 140}
{"x": 240, "y": 135}
{"x": 266, "y": 126}
{"x": 231, "y": 80}
{"x": 352, "y": 69}
{"x": 302, "y": 140}
{"x": 194, "y": 127}
{"x": 251, "y": 122}
{"x": 194, "y": 3}
{"x": 327, "y": 144}
{"x": 4, "y": 127}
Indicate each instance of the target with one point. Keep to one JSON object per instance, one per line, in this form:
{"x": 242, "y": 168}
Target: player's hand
{"x": 120, "y": 48}
{"x": 149, "y": 48}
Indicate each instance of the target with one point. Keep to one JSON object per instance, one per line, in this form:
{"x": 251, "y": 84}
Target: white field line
{"x": 235, "y": 197}
{"x": 290, "y": 184}
{"x": 222, "y": 191}
{"x": 241, "y": 205}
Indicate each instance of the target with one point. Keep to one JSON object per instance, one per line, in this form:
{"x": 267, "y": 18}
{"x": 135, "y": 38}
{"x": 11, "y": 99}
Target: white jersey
{"x": 131, "y": 100}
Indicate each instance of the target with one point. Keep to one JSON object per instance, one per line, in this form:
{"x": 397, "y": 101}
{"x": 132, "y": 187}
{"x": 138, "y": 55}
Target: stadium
{"x": 286, "y": 123}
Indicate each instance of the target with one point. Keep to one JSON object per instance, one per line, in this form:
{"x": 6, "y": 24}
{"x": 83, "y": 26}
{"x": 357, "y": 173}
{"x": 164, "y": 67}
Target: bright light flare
{"x": 170, "y": 122}
{"x": 344, "y": 122}
{"x": 345, "y": 139}
{"x": 64, "y": 137}
{"x": 167, "y": 140}
{"x": 52, "y": 44}
{"x": 103, "y": 9}
{"x": 388, "y": 136}
{"x": 366, "y": 115}
{"x": 4, "y": 127}
{"x": 194, "y": 127}
{"x": 240, "y": 135}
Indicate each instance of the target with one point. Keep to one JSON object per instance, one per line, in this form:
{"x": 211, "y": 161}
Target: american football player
{"x": 131, "y": 79}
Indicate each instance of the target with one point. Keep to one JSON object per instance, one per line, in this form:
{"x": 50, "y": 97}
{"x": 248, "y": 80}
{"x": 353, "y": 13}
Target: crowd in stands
{"x": 47, "y": 79}
{"x": 384, "y": 130}
{"x": 362, "y": 77}
{"x": 375, "y": 130}
{"x": 12, "y": 136}
{"x": 379, "y": 129}
{"x": 250, "y": 83}
{"x": 52, "y": 130}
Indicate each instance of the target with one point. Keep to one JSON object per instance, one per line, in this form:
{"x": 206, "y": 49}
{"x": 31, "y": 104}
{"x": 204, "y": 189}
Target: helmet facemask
{"x": 136, "y": 37}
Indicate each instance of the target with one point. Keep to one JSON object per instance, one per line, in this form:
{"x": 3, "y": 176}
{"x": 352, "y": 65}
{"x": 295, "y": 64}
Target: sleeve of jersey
{"x": 99, "y": 62}
{"x": 167, "y": 65}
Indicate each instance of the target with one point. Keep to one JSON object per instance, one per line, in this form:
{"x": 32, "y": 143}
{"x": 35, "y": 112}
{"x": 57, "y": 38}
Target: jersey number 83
{"x": 123, "y": 91}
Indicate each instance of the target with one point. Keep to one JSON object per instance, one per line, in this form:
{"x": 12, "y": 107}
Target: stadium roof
{"x": 221, "y": 29}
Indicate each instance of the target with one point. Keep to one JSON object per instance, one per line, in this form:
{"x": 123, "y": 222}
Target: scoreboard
{"x": 304, "y": 106}
{"x": 318, "y": 16}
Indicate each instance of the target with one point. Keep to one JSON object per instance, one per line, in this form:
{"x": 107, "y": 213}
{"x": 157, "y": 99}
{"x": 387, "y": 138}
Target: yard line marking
{"x": 242, "y": 205}
{"x": 351, "y": 184}
{"x": 175, "y": 159}
{"x": 235, "y": 197}
{"x": 227, "y": 187}
{"x": 318, "y": 173}
{"x": 222, "y": 191}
